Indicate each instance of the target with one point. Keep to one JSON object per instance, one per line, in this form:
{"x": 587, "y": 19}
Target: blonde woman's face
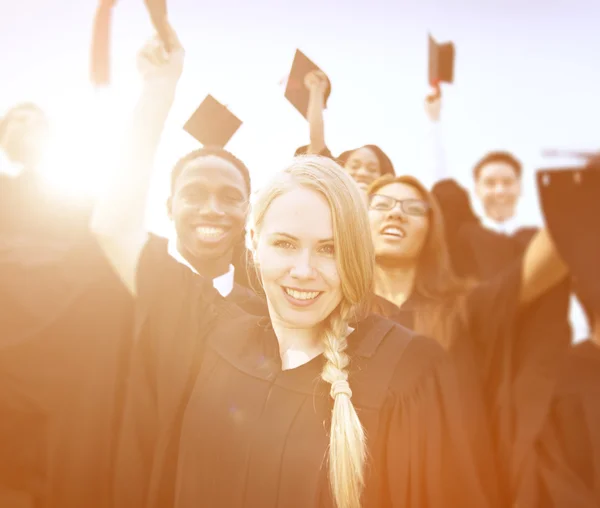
{"x": 399, "y": 219}
{"x": 295, "y": 253}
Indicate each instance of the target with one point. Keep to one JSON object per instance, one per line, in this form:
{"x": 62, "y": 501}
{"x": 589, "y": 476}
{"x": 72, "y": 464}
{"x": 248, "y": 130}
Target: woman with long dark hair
{"x": 509, "y": 331}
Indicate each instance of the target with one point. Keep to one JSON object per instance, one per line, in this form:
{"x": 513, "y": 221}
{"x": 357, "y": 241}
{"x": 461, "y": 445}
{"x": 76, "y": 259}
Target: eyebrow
{"x": 200, "y": 184}
{"x": 292, "y": 237}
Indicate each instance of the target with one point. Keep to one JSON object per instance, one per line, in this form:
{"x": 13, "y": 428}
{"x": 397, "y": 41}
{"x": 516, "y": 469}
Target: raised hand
{"x": 154, "y": 63}
{"x": 316, "y": 81}
{"x": 433, "y": 105}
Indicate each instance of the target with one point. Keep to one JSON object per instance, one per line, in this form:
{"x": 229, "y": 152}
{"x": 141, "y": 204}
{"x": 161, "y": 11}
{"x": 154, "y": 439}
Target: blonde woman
{"x": 295, "y": 410}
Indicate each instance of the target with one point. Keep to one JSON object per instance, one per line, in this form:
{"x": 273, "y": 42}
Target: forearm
{"x": 315, "y": 122}
{"x": 542, "y": 268}
{"x": 120, "y": 210}
{"x": 435, "y": 166}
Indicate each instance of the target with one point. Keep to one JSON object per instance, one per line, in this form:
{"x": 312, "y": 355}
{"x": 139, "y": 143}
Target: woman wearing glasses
{"x": 487, "y": 327}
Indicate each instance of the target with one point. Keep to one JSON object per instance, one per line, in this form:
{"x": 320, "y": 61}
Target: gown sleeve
{"x": 436, "y": 454}
{"x": 569, "y": 462}
{"x": 175, "y": 310}
{"x": 519, "y": 352}
{"x": 64, "y": 318}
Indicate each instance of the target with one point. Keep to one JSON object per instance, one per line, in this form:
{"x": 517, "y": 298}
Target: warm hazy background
{"x": 527, "y": 76}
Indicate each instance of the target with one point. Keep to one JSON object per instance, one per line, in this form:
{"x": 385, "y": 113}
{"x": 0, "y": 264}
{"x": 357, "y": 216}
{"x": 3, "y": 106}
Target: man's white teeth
{"x": 390, "y": 230}
{"x": 302, "y": 295}
{"x": 209, "y": 232}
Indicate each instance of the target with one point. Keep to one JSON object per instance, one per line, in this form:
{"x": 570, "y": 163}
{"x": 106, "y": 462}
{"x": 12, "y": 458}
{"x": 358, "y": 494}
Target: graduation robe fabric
{"x": 531, "y": 355}
{"x": 66, "y": 322}
{"x": 212, "y": 420}
{"x": 475, "y": 251}
{"x": 66, "y": 333}
{"x": 570, "y": 441}
{"x": 241, "y": 295}
{"x": 516, "y": 355}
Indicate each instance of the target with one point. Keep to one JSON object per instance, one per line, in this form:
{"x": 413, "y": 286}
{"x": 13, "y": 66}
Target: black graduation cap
{"x": 570, "y": 200}
{"x": 295, "y": 91}
{"x": 212, "y": 124}
{"x": 441, "y": 63}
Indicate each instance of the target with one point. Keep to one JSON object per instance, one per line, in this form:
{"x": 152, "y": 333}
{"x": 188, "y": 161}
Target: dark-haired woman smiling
{"x": 503, "y": 331}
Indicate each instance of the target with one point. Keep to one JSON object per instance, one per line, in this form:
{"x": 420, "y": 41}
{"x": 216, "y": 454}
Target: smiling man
{"x": 498, "y": 186}
{"x": 210, "y": 191}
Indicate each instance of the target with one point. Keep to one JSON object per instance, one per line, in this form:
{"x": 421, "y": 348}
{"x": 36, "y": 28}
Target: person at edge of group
{"x": 65, "y": 330}
{"x": 367, "y": 163}
{"x": 228, "y": 409}
{"x": 476, "y": 239}
{"x": 24, "y": 133}
{"x": 498, "y": 186}
{"x": 506, "y": 330}
{"x": 571, "y": 436}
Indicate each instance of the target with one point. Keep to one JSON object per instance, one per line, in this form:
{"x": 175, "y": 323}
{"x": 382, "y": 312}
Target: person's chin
{"x": 503, "y": 213}
{"x": 390, "y": 252}
{"x": 300, "y": 317}
{"x": 302, "y": 320}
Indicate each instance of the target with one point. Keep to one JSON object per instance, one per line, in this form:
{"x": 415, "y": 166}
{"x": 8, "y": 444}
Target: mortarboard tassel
{"x": 100, "y": 51}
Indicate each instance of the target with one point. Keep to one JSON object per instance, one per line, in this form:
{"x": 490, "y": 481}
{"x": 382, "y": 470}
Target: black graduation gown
{"x": 516, "y": 356}
{"x": 241, "y": 295}
{"x": 475, "y": 251}
{"x": 212, "y": 420}
{"x": 570, "y": 441}
{"x": 66, "y": 320}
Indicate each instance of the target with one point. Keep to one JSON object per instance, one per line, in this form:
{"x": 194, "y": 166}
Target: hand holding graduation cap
{"x": 433, "y": 106}
{"x": 155, "y": 64}
{"x": 316, "y": 81}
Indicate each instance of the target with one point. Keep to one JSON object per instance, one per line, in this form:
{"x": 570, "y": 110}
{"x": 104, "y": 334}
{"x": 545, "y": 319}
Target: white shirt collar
{"x": 508, "y": 227}
{"x": 223, "y": 283}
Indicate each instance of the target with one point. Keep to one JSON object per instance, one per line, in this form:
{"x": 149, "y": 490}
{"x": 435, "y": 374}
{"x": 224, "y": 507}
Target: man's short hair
{"x": 505, "y": 157}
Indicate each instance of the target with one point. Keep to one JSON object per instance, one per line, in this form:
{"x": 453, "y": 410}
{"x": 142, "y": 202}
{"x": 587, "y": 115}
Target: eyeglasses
{"x": 415, "y": 207}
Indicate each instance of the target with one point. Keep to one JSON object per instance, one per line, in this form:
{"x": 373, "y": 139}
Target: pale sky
{"x": 527, "y": 76}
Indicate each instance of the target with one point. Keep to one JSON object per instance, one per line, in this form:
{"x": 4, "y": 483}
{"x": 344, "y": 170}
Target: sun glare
{"x": 84, "y": 143}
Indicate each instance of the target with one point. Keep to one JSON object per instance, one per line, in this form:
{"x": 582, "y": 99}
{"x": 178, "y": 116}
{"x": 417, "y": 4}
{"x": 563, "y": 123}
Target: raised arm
{"x": 543, "y": 268}
{"x": 316, "y": 82}
{"x": 435, "y": 166}
{"x": 118, "y": 218}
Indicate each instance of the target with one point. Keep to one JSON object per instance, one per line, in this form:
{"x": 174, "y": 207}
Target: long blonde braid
{"x": 347, "y": 451}
{"x": 355, "y": 259}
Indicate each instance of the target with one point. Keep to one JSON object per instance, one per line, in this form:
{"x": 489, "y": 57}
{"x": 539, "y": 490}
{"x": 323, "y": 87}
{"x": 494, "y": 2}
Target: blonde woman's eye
{"x": 282, "y": 244}
{"x": 328, "y": 249}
